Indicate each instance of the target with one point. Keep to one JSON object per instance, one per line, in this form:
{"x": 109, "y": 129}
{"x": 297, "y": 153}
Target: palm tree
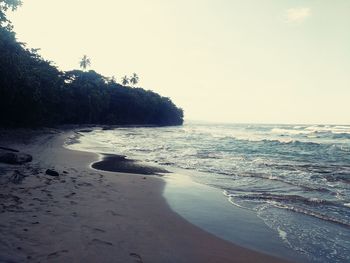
{"x": 134, "y": 79}
{"x": 85, "y": 62}
{"x": 125, "y": 80}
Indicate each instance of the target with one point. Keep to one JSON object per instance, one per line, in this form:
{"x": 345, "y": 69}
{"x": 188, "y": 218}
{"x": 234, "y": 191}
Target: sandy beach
{"x": 89, "y": 215}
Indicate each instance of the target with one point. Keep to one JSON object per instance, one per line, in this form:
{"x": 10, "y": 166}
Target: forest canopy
{"x": 4, "y": 6}
{"x": 33, "y": 92}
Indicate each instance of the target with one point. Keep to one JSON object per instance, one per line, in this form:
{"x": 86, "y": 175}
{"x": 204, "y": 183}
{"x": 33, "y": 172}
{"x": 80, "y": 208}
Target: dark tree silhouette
{"x": 33, "y": 92}
{"x": 4, "y": 6}
{"x": 134, "y": 79}
{"x": 125, "y": 80}
{"x": 113, "y": 80}
{"x": 85, "y": 62}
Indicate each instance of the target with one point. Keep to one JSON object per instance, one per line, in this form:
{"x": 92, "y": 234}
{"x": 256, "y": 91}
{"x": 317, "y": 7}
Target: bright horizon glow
{"x": 220, "y": 60}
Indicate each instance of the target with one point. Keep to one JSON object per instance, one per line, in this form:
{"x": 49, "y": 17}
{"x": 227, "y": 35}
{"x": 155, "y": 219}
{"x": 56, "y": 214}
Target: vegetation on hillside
{"x": 33, "y": 92}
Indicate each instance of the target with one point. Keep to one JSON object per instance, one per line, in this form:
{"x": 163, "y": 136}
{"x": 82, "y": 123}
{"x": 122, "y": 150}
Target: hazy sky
{"x": 272, "y": 61}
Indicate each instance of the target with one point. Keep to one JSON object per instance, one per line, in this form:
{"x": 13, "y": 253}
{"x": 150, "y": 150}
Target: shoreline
{"x": 87, "y": 215}
{"x": 208, "y": 208}
{"x": 195, "y": 203}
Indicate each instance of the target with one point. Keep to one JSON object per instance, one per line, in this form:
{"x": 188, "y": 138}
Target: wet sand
{"x": 88, "y": 215}
{"x": 120, "y": 164}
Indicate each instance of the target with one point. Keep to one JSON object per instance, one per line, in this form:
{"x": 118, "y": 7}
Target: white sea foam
{"x": 282, "y": 234}
{"x": 297, "y": 130}
{"x": 290, "y": 131}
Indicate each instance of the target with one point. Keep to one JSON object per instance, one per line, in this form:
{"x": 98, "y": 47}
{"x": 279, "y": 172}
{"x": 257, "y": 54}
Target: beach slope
{"x": 88, "y": 215}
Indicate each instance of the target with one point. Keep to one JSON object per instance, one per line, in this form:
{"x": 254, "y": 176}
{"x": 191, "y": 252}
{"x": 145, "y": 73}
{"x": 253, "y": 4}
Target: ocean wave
{"x": 300, "y": 130}
{"x": 208, "y": 155}
{"x": 232, "y": 200}
{"x": 313, "y": 214}
{"x": 278, "y": 141}
{"x": 341, "y": 135}
{"x": 311, "y": 142}
{"x": 286, "y": 181}
{"x": 284, "y": 198}
{"x": 330, "y": 172}
{"x": 290, "y": 131}
{"x": 339, "y": 177}
{"x": 290, "y": 202}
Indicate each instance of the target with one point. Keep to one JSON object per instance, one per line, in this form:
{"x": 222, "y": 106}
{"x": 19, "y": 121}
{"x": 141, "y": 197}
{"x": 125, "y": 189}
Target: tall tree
{"x": 113, "y": 80}
{"x": 125, "y": 80}
{"x": 134, "y": 79}
{"x": 4, "y": 6}
{"x": 85, "y": 62}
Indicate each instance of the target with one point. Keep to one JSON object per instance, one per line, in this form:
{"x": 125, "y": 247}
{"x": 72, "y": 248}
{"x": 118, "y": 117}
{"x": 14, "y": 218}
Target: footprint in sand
{"x": 96, "y": 241}
{"x": 56, "y": 254}
{"x": 48, "y": 182}
{"x": 137, "y": 257}
{"x": 113, "y": 213}
{"x": 99, "y": 230}
{"x": 84, "y": 184}
{"x": 96, "y": 230}
{"x": 70, "y": 195}
{"x": 38, "y": 199}
{"x": 101, "y": 178}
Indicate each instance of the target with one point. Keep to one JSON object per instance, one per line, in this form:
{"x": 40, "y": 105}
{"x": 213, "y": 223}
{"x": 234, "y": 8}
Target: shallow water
{"x": 296, "y": 179}
{"x": 207, "y": 208}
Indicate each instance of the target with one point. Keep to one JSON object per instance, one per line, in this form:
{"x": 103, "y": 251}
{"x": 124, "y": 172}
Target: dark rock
{"x": 65, "y": 172}
{"x": 52, "y": 172}
{"x": 119, "y": 163}
{"x": 85, "y": 130}
{"x": 14, "y": 158}
{"x": 107, "y": 128}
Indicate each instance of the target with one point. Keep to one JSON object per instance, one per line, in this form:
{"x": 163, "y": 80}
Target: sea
{"x": 295, "y": 178}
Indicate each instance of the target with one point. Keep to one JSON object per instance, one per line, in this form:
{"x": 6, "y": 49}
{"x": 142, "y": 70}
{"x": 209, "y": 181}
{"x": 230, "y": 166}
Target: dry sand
{"x": 86, "y": 215}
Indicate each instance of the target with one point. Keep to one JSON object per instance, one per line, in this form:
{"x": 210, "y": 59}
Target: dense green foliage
{"x": 4, "y": 6}
{"x": 33, "y": 92}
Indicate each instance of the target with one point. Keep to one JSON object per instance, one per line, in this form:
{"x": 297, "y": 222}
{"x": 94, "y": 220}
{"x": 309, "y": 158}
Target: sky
{"x": 251, "y": 61}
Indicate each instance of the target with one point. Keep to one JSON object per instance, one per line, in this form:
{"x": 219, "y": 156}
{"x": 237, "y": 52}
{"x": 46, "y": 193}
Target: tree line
{"x": 85, "y": 62}
{"x": 33, "y": 92}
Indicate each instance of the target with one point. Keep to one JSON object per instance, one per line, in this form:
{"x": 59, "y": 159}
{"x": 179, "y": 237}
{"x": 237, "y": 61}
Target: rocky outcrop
{"x": 11, "y": 157}
{"x": 52, "y": 172}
